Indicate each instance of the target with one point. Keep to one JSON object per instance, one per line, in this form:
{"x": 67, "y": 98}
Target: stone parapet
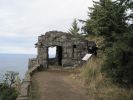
{"x": 32, "y": 62}
{"x": 26, "y": 83}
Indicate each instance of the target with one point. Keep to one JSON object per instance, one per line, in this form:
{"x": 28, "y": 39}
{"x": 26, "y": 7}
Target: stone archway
{"x": 57, "y": 59}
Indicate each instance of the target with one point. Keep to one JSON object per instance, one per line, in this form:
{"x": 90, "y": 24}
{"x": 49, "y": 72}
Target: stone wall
{"x": 73, "y": 48}
{"x": 26, "y": 83}
{"x": 32, "y": 62}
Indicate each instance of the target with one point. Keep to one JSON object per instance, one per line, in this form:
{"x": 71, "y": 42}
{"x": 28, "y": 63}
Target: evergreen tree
{"x": 119, "y": 62}
{"x": 110, "y": 19}
{"x": 74, "y": 30}
{"x": 106, "y": 19}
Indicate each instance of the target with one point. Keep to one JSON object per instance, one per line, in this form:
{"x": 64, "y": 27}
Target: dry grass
{"x": 98, "y": 86}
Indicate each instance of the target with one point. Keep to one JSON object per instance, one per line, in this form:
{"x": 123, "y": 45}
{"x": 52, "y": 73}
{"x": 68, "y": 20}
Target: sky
{"x": 22, "y": 21}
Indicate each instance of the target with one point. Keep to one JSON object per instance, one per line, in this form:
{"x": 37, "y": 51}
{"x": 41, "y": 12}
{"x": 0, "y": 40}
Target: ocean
{"x": 15, "y": 62}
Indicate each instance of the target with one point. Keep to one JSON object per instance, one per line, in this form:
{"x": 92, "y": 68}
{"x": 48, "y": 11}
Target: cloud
{"x": 6, "y": 34}
{"x": 23, "y": 20}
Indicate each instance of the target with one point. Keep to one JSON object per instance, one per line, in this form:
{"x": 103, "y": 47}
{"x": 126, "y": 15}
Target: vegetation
{"x": 110, "y": 20}
{"x": 109, "y": 76}
{"x": 7, "y": 93}
{"x": 100, "y": 87}
{"x": 74, "y": 30}
{"x": 120, "y": 55}
{"x": 9, "y": 86}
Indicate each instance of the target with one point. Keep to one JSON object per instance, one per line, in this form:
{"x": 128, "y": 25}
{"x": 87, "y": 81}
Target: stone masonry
{"x": 69, "y": 49}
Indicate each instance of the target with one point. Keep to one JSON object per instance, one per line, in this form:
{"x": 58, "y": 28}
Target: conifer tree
{"x": 110, "y": 19}
{"x": 74, "y": 30}
{"x": 106, "y": 19}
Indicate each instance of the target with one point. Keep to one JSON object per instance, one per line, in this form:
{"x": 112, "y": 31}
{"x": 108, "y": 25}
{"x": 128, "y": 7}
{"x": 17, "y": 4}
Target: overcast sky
{"x": 22, "y": 21}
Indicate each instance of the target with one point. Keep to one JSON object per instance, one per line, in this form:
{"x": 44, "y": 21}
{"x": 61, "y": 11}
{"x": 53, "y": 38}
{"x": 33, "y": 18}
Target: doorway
{"x": 55, "y": 55}
{"x": 59, "y": 55}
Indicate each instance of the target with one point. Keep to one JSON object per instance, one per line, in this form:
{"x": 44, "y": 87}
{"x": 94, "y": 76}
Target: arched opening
{"x": 55, "y": 55}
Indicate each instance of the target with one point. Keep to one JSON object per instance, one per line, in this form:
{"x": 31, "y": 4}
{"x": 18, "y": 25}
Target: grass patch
{"x": 98, "y": 86}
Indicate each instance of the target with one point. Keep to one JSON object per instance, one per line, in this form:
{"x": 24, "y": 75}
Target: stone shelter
{"x": 69, "y": 49}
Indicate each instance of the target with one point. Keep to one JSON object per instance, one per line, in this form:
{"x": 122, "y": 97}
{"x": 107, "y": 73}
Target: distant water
{"x": 15, "y": 62}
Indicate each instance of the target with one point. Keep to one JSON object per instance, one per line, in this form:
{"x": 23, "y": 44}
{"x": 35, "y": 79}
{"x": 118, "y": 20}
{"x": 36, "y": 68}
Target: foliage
{"x": 99, "y": 40}
{"x": 8, "y": 88}
{"x": 10, "y": 78}
{"x": 7, "y": 93}
{"x": 113, "y": 20}
{"x": 74, "y": 30}
{"x": 106, "y": 19}
{"x": 119, "y": 63}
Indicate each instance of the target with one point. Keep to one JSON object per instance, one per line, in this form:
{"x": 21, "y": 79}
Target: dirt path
{"x": 57, "y": 85}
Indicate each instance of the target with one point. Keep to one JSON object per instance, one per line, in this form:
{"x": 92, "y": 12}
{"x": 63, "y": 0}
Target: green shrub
{"x": 119, "y": 62}
{"x": 7, "y": 93}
